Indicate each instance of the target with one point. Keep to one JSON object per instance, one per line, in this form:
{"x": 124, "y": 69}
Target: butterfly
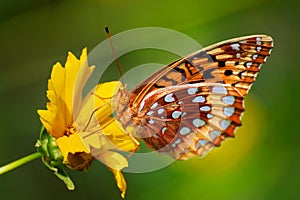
{"x": 193, "y": 104}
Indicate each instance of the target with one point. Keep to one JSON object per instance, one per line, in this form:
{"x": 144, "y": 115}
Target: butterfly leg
{"x": 137, "y": 145}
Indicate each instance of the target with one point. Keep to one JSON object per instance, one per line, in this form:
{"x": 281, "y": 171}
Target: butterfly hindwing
{"x": 186, "y": 116}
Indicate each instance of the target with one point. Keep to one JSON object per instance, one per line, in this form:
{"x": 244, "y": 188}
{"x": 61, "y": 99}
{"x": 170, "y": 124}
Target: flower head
{"x": 83, "y": 127}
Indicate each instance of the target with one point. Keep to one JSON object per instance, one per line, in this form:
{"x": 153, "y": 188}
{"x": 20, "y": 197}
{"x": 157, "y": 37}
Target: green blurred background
{"x": 262, "y": 162}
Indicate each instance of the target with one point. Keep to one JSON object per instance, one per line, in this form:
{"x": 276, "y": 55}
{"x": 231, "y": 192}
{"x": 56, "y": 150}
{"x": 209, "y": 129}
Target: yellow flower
{"x": 83, "y": 127}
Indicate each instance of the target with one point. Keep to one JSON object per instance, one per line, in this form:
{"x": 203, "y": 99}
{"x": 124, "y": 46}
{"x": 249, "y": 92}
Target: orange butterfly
{"x": 194, "y": 103}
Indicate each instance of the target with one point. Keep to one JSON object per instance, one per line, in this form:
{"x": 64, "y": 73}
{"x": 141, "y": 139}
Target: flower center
{"x": 70, "y": 130}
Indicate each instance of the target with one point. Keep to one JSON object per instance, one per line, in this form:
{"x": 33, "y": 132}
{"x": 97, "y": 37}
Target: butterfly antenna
{"x": 114, "y": 53}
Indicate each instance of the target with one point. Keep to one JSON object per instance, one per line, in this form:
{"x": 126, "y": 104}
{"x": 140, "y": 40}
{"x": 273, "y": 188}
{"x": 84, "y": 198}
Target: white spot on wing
{"x": 184, "y": 131}
{"x": 228, "y": 111}
{"x": 225, "y": 123}
{"x": 219, "y": 89}
{"x": 254, "y": 56}
{"x": 169, "y": 98}
{"x": 198, "y": 122}
{"x": 150, "y": 113}
{"x": 154, "y": 105}
{"x": 248, "y": 64}
{"x": 205, "y": 108}
{"x": 200, "y": 143}
{"x": 243, "y": 74}
{"x": 228, "y": 100}
{"x": 199, "y": 99}
{"x": 214, "y": 134}
{"x": 151, "y": 121}
{"x": 192, "y": 91}
{"x": 238, "y": 55}
{"x": 160, "y": 111}
{"x": 176, "y": 114}
{"x": 258, "y": 48}
{"x": 258, "y": 41}
{"x": 209, "y": 116}
{"x": 176, "y": 142}
{"x": 235, "y": 46}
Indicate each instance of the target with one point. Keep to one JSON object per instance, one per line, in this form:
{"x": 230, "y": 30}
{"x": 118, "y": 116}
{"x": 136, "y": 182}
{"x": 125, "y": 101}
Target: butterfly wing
{"x": 190, "y": 119}
{"x": 236, "y": 62}
{"x": 194, "y": 103}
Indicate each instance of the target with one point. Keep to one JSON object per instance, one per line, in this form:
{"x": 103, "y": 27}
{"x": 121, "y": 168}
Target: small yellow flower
{"x": 83, "y": 127}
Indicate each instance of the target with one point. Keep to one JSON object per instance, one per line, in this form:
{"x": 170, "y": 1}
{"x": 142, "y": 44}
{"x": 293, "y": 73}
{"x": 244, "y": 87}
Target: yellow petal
{"x": 103, "y": 95}
{"x": 77, "y": 72}
{"x": 95, "y": 118}
{"x": 111, "y": 159}
{"x": 72, "y": 144}
{"x": 108, "y": 89}
{"x": 120, "y": 137}
{"x": 95, "y": 141}
{"x": 66, "y": 84}
{"x": 97, "y": 103}
{"x": 120, "y": 181}
{"x": 90, "y": 140}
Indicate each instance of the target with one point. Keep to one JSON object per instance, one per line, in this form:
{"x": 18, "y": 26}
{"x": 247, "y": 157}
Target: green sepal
{"x": 52, "y": 157}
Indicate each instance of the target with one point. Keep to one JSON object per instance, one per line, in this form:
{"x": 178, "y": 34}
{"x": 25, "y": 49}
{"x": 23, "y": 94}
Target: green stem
{"x": 19, "y": 162}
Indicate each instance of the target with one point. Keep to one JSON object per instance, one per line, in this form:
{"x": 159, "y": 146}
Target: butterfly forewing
{"x": 239, "y": 60}
{"x": 194, "y": 103}
{"x": 234, "y": 62}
